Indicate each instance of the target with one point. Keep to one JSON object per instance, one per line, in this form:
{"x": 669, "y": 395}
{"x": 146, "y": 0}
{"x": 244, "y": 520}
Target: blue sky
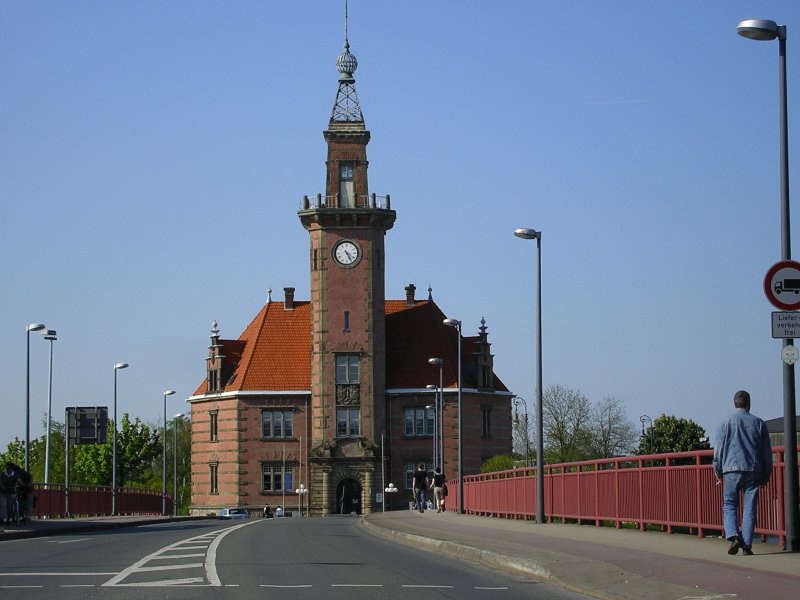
{"x": 154, "y": 156}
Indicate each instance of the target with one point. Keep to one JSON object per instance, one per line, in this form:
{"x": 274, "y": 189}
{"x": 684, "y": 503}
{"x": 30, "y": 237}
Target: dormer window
{"x": 346, "y": 192}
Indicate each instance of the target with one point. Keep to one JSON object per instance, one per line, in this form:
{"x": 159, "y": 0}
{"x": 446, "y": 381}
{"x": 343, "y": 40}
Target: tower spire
{"x": 346, "y": 108}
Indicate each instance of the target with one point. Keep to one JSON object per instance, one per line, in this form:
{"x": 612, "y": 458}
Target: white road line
{"x": 357, "y": 585}
{"x": 188, "y": 581}
{"x": 49, "y": 574}
{"x": 169, "y": 567}
{"x": 66, "y": 541}
{"x": 15, "y": 587}
{"x": 491, "y": 588}
{"x": 449, "y": 587}
{"x": 269, "y": 585}
{"x": 211, "y": 557}
{"x": 211, "y": 540}
{"x": 73, "y": 585}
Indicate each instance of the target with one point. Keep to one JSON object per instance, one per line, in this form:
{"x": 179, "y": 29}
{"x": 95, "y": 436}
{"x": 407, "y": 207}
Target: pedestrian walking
{"x": 437, "y": 485}
{"x": 9, "y": 481}
{"x": 743, "y": 461}
{"x": 420, "y": 485}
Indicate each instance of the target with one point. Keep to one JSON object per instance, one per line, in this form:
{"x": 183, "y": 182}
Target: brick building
{"x": 337, "y": 393}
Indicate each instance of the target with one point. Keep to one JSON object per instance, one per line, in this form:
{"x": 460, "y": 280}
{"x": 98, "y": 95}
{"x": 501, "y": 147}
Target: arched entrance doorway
{"x": 348, "y": 497}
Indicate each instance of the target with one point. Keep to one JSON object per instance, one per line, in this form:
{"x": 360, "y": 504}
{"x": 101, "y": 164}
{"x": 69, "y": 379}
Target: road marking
{"x": 14, "y": 587}
{"x": 491, "y": 588}
{"x": 209, "y": 542}
{"x": 269, "y": 585}
{"x": 357, "y": 585}
{"x": 211, "y": 557}
{"x": 49, "y": 574}
{"x": 66, "y": 541}
{"x": 73, "y": 585}
{"x": 449, "y": 587}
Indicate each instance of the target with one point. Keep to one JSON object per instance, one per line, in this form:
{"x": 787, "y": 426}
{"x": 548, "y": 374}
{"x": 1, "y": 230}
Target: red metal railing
{"x": 91, "y": 500}
{"x": 668, "y": 490}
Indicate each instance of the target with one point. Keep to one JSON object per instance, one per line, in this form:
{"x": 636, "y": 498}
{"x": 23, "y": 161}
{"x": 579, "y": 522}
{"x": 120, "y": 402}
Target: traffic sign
{"x": 786, "y": 325}
{"x": 782, "y": 285}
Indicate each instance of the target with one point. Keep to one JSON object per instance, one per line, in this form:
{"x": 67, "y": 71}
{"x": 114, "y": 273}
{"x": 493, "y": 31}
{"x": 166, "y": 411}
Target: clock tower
{"x": 346, "y": 227}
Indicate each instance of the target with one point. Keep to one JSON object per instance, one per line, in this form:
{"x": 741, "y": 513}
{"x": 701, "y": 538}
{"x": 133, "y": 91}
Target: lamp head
{"x": 760, "y": 30}
{"x": 50, "y": 335}
{"x": 430, "y": 386}
{"x": 452, "y": 322}
{"x": 436, "y": 361}
{"x": 120, "y": 366}
{"x": 528, "y": 234}
{"x": 178, "y": 416}
{"x": 169, "y": 392}
{"x": 430, "y": 406}
{"x": 35, "y": 327}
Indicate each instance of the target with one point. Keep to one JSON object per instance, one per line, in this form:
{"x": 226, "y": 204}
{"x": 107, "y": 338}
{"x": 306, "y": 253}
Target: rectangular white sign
{"x": 786, "y": 325}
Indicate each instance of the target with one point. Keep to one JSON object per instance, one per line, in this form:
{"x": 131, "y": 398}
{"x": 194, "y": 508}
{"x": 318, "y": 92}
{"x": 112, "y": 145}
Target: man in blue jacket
{"x": 743, "y": 461}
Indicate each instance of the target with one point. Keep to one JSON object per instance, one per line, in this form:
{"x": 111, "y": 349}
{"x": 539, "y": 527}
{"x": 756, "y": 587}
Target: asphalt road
{"x": 276, "y": 558}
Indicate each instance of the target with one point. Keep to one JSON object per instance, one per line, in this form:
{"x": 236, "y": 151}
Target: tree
{"x": 499, "y": 462}
{"x": 612, "y": 433}
{"x": 137, "y": 449}
{"x": 673, "y": 434}
{"x": 566, "y": 422}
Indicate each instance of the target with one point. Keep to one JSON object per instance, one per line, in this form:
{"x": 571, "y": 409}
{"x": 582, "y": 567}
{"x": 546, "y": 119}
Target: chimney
{"x": 288, "y": 302}
{"x": 410, "y": 289}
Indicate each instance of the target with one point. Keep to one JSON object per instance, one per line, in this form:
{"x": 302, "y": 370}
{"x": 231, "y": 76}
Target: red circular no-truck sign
{"x": 782, "y": 285}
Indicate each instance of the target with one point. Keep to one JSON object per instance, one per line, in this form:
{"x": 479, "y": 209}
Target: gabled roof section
{"x": 273, "y": 352}
{"x": 415, "y": 333}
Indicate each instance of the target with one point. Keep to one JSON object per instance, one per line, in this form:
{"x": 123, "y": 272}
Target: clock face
{"x": 346, "y": 253}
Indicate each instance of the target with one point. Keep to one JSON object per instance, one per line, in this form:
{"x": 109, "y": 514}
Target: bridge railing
{"x": 666, "y": 490}
{"x": 52, "y": 501}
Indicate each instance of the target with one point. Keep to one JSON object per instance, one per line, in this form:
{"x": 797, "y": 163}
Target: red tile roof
{"x": 274, "y": 351}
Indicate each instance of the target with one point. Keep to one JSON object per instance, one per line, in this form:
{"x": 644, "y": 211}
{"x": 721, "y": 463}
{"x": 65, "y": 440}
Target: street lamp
{"x": 531, "y": 234}
{"x": 435, "y": 410}
{"x": 117, "y": 367}
{"x": 28, "y": 329}
{"x": 390, "y": 489}
{"x": 643, "y": 419}
{"x": 457, "y": 324}
{"x": 175, "y": 464}
{"x": 50, "y": 336}
{"x": 766, "y": 30}
{"x": 438, "y": 362}
{"x": 164, "y": 458}
{"x": 517, "y": 401}
{"x": 301, "y": 491}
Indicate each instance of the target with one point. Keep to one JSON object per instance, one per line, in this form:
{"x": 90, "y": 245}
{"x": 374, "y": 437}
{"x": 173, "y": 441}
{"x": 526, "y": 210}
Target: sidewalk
{"x": 601, "y": 562}
{"x": 44, "y": 527}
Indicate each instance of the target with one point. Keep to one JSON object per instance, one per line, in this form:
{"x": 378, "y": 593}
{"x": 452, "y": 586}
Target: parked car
{"x": 233, "y": 513}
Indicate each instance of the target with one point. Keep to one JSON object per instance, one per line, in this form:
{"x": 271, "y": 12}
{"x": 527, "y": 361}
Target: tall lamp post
{"x": 28, "y": 329}
{"x": 530, "y": 234}
{"x": 438, "y": 362}
{"x": 766, "y": 30}
{"x": 517, "y": 401}
{"x": 175, "y": 464}
{"x": 457, "y": 324}
{"x": 434, "y": 407}
{"x": 117, "y": 367}
{"x": 301, "y": 491}
{"x": 164, "y": 458}
{"x": 644, "y": 419}
{"x": 50, "y": 336}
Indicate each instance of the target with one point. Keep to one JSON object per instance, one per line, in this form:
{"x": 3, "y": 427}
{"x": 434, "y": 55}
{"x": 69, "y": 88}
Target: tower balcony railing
{"x": 371, "y": 201}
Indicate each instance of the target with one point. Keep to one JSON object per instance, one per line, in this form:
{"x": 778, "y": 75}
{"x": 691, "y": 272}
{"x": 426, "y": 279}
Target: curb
{"x": 487, "y": 558}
